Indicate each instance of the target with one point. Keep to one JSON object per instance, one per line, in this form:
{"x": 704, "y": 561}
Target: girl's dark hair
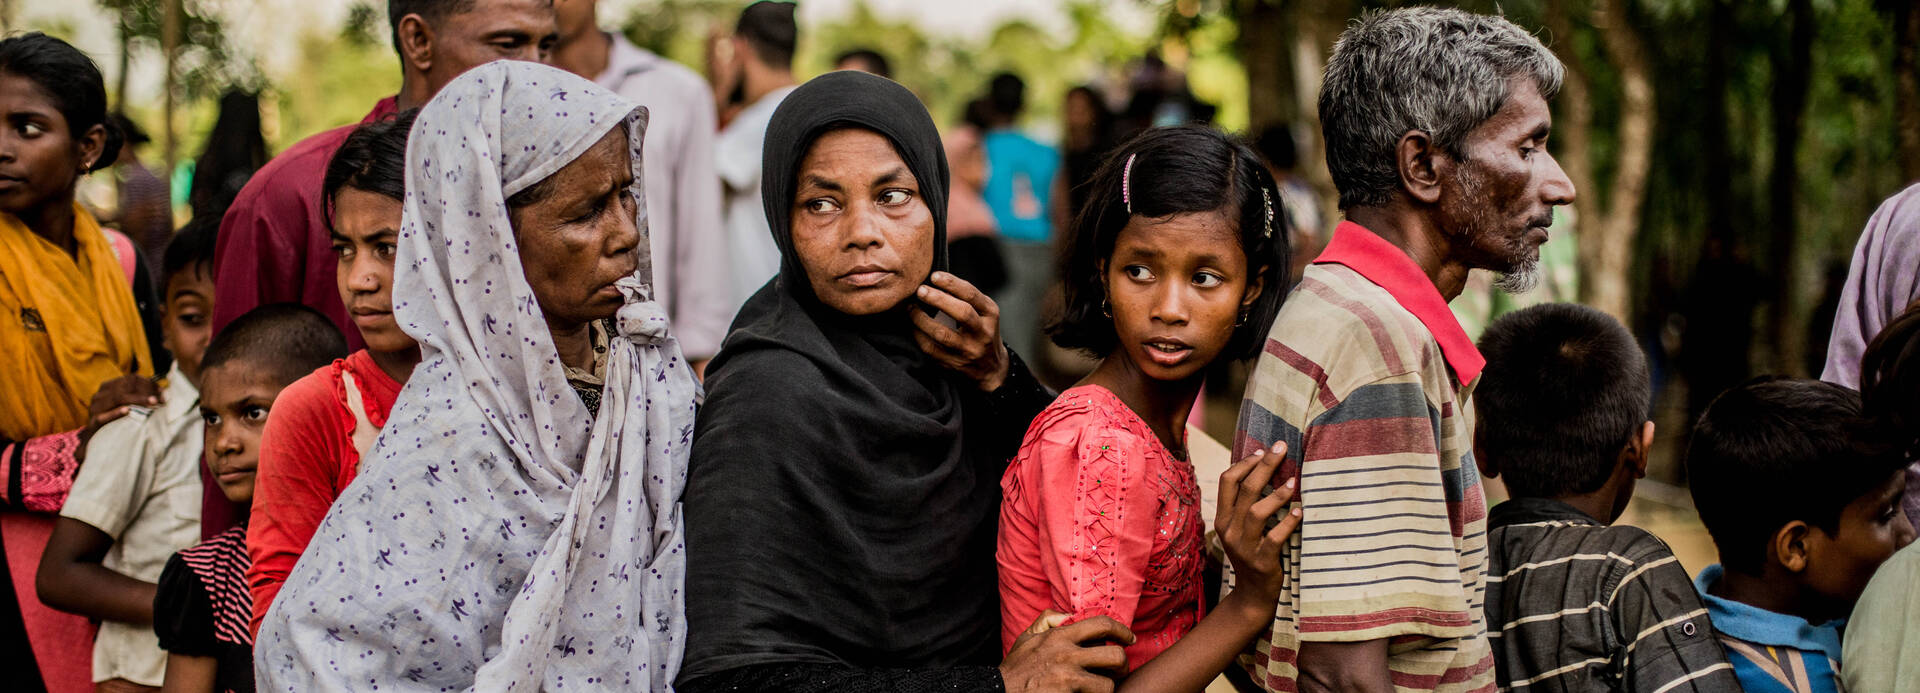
{"x": 1176, "y": 170}
{"x": 235, "y": 149}
{"x": 70, "y": 80}
{"x": 1890, "y": 385}
{"x": 373, "y": 159}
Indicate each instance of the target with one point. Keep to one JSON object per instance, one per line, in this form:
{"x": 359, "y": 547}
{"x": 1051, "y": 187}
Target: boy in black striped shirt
{"x": 1574, "y": 604}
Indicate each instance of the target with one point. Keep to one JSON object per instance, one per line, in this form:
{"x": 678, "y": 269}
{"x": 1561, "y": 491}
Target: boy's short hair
{"x": 191, "y": 250}
{"x": 1565, "y": 388}
{"x": 1775, "y": 450}
{"x": 284, "y": 340}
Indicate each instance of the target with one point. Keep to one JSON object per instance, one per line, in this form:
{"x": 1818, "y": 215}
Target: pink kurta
{"x": 1098, "y": 519}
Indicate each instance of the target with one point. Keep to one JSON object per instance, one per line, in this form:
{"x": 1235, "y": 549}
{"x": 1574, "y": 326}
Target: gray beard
{"x": 1521, "y": 280}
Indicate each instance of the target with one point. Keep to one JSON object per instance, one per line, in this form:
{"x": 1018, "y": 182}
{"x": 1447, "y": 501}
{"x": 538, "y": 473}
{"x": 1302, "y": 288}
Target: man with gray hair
{"x": 1436, "y": 124}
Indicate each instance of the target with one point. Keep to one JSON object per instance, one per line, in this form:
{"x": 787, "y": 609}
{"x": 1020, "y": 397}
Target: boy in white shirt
{"x": 136, "y": 498}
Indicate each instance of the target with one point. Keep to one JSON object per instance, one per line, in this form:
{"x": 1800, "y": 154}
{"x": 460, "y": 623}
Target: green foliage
{"x": 206, "y": 62}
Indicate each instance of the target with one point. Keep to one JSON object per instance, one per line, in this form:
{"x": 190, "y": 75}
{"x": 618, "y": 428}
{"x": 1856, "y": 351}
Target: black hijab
{"x": 839, "y": 510}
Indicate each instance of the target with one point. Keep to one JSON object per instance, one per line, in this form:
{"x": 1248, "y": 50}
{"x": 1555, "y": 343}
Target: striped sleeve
{"x": 1377, "y": 554}
{"x": 1670, "y": 643}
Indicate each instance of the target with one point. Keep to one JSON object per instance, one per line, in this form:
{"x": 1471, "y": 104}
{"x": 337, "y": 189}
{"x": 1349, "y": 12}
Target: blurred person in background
{"x": 1883, "y": 280}
{"x": 1020, "y": 173}
{"x": 144, "y": 212}
{"x": 973, "y": 244}
{"x": 235, "y": 149}
{"x": 76, "y": 344}
{"x": 1085, "y": 142}
{"x": 752, "y": 72}
{"x": 1306, "y": 224}
{"x": 690, "y": 258}
{"x": 865, "y": 60}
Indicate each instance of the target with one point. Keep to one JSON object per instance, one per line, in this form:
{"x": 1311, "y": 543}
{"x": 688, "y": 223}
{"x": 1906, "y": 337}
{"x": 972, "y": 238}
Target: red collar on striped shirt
{"x": 1389, "y": 267}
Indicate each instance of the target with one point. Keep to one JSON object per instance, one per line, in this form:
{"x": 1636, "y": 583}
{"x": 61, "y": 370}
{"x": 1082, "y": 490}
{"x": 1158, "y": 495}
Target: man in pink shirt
{"x": 273, "y": 244}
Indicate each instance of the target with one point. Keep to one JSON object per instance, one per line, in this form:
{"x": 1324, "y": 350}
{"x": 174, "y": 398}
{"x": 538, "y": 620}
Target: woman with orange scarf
{"x": 73, "y": 349}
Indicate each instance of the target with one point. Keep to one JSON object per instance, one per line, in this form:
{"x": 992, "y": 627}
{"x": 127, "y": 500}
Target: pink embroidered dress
{"x": 1097, "y": 518}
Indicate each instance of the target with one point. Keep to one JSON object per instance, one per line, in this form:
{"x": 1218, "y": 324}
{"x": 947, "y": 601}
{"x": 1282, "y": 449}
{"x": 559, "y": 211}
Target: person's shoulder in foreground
{"x": 1573, "y": 603}
{"x": 1801, "y": 514}
{"x": 1881, "y": 648}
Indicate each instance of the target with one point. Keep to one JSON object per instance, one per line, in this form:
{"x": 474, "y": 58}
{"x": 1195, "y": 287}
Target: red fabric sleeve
{"x": 37, "y": 473}
{"x": 1097, "y": 512}
{"x": 303, "y": 453}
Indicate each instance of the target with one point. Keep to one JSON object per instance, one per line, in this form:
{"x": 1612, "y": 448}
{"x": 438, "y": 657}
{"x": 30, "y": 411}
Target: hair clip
{"x": 1267, "y": 197}
{"x": 1126, "y": 182}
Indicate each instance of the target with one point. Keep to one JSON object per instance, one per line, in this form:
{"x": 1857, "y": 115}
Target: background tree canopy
{"x": 1751, "y": 138}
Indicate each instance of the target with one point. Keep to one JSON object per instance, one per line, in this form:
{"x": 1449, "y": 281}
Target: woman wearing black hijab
{"x": 842, "y": 496}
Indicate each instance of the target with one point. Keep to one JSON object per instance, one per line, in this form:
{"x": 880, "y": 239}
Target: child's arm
{"x": 71, "y": 578}
{"x": 190, "y": 674}
{"x": 1241, "y": 522}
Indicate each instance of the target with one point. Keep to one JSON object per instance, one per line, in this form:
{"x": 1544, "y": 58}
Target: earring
{"x": 1243, "y": 317}
{"x": 1106, "y": 308}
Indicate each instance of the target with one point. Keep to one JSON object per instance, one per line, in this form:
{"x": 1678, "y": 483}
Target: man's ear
{"x": 416, "y": 43}
{"x": 1790, "y": 546}
{"x": 1639, "y": 450}
{"x": 1417, "y": 158}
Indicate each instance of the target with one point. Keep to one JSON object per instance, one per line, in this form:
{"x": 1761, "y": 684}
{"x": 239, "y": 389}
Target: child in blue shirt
{"x": 1802, "y": 514}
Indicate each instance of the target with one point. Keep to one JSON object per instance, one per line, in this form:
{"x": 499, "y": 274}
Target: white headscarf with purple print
{"x": 499, "y": 537}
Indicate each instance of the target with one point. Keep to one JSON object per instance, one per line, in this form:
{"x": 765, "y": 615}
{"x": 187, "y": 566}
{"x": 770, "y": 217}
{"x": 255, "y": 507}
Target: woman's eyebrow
{"x": 822, "y": 183}
{"x": 892, "y": 176}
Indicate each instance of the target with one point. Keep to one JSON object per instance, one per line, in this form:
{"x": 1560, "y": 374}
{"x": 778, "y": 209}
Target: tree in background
{"x": 192, "y": 40}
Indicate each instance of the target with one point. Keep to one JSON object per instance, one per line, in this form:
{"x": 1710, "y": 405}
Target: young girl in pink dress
{"x": 1173, "y": 265}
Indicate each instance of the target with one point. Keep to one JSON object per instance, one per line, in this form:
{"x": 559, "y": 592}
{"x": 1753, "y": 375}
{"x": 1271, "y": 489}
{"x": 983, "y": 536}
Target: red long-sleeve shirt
{"x": 306, "y": 459}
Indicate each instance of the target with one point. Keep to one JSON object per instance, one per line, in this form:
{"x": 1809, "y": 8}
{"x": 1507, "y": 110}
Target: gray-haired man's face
{"x": 1496, "y": 205}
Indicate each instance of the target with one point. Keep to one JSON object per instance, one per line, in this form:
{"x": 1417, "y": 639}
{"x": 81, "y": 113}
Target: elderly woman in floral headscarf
{"x": 517, "y": 523}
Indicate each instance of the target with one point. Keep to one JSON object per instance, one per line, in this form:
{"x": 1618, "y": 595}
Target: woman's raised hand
{"x": 970, "y": 341}
{"x": 1242, "y": 518}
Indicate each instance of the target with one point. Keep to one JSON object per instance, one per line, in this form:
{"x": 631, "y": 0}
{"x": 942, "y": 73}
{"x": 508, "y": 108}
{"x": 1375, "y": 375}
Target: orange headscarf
{"x": 68, "y": 324}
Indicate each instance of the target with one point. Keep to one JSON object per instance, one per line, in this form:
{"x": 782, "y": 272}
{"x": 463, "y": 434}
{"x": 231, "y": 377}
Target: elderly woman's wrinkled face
{"x": 577, "y": 235}
{"x": 860, "y": 226}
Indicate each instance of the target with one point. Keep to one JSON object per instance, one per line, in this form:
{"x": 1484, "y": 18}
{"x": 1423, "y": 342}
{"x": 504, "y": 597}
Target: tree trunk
{"x": 1319, "y": 25}
{"x": 126, "y": 49}
{"x": 1718, "y": 171}
{"x": 1621, "y": 222}
{"x": 170, "y": 45}
{"x": 1906, "y": 87}
{"x": 1607, "y": 223}
{"x": 1573, "y": 143}
{"x": 1792, "y": 78}
{"x": 1266, "y": 48}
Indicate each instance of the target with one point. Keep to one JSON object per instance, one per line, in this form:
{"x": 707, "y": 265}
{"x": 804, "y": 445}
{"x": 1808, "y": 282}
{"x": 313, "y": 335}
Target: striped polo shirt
{"x": 1575, "y": 605}
{"x": 1367, "y": 376}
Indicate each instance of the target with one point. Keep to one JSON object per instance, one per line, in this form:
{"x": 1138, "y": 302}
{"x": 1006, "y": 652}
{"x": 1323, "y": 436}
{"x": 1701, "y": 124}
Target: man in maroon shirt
{"x": 273, "y": 242}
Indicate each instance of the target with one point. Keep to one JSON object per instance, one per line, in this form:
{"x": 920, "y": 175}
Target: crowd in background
{"x": 571, "y": 366}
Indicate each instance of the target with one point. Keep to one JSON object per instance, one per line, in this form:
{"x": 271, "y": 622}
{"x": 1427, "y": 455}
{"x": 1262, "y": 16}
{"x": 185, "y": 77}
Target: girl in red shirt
{"x": 324, "y": 422}
{"x": 1173, "y": 265}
